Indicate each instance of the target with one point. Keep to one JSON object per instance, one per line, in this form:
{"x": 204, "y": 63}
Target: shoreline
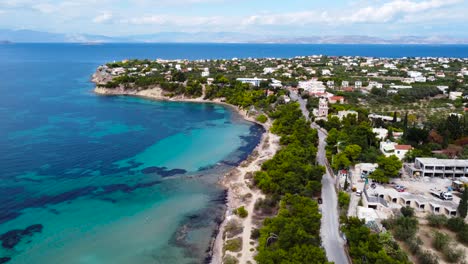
{"x": 264, "y": 150}
{"x": 157, "y": 94}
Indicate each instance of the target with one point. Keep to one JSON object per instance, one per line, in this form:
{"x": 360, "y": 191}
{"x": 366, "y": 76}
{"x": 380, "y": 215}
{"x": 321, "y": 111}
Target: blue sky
{"x": 382, "y": 18}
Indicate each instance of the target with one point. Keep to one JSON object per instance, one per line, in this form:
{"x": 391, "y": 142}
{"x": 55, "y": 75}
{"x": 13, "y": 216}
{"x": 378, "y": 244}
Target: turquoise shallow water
{"x": 92, "y": 179}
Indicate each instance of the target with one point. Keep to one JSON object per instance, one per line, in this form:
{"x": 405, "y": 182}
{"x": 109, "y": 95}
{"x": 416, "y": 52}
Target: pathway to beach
{"x": 241, "y": 193}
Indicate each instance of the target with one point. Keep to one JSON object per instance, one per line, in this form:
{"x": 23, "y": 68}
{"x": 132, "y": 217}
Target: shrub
{"x": 427, "y": 257}
{"x": 262, "y": 118}
{"x": 228, "y": 259}
{"x": 407, "y": 211}
{"x": 453, "y": 255}
{"x": 343, "y": 200}
{"x": 241, "y": 212}
{"x": 255, "y": 234}
{"x": 463, "y": 235}
{"x": 440, "y": 241}
{"x": 455, "y": 224}
{"x": 233, "y": 228}
{"x": 267, "y": 205}
{"x": 405, "y": 228}
{"x": 234, "y": 245}
{"x": 414, "y": 245}
{"x": 436, "y": 220}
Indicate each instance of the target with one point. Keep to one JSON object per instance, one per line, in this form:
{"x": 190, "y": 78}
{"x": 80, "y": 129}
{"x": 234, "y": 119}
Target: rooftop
{"x": 446, "y": 162}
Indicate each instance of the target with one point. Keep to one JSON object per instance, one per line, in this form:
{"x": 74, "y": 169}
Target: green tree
{"x": 353, "y": 152}
{"x": 340, "y": 161}
{"x": 379, "y": 176}
{"x": 390, "y": 166}
{"x": 463, "y": 206}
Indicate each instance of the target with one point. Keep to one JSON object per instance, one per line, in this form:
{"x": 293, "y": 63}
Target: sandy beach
{"x": 238, "y": 182}
{"x": 242, "y": 193}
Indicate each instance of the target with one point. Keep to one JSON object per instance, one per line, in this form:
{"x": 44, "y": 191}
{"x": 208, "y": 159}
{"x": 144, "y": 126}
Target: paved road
{"x": 331, "y": 239}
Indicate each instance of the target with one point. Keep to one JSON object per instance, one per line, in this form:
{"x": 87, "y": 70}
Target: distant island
{"x": 220, "y": 37}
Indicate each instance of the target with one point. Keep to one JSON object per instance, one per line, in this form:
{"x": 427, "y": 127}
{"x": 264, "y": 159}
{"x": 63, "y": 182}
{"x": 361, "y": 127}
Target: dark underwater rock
{"x": 4, "y": 260}
{"x": 11, "y": 238}
{"x": 163, "y": 171}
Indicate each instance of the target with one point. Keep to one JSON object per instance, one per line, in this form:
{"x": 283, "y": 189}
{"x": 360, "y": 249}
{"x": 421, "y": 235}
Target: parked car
{"x": 400, "y": 188}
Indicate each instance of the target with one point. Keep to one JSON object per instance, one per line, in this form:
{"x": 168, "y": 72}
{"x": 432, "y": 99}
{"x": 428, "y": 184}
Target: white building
{"x": 382, "y": 133}
{"x": 205, "y": 74}
{"x": 312, "y": 86}
{"x": 414, "y": 74}
{"x": 331, "y": 84}
{"x": 268, "y": 71}
{"x": 276, "y": 83}
{"x": 118, "y": 71}
{"x": 455, "y": 95}
{"x": 443, "y": 88}
{"x": 389, "y": 148}
{"x": 253, "y": 81}
{"x": 375, "y": 84}
{"x": 384, "y": 118}
{"x": 343, "y": 114}
{"x": 358, "y": 84}
{"x": 344, "y": 84}
{"x": 420, "y": 79}
{"x": 326, "y": 72}
{"x": 398, "y": 87}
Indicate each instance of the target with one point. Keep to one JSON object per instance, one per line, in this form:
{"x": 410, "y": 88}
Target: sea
{"x": 110, "y": 179}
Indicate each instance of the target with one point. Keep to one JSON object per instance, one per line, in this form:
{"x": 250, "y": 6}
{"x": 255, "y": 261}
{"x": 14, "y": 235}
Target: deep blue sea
{"x": 93, "y": 179}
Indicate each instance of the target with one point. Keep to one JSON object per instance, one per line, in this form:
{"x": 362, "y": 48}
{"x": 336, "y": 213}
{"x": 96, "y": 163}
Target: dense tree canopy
{"x": 293, "y": 236}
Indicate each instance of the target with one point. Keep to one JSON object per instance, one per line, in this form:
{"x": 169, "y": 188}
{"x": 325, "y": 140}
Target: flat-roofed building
{"x": 433, "y": 167}
{"x": 253, "y": 81}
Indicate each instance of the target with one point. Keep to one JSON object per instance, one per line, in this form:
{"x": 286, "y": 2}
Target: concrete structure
{"x": 253, "y": 81}
{"x": 433, "y": 167}
{"x": 331, "y": 84}
{"x": 344, "y": 84}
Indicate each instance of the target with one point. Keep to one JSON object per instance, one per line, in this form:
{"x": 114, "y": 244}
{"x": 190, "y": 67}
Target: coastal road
{"x": 329, "y": 232}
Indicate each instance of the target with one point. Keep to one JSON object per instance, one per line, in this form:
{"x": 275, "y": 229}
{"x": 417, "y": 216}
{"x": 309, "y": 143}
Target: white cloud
{"x": 104, "y": 17}
{"x": 394, "y": 10}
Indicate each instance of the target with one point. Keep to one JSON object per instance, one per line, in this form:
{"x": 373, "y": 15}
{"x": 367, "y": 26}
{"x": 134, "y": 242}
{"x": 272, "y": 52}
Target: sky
{"x": 380, "y": 18}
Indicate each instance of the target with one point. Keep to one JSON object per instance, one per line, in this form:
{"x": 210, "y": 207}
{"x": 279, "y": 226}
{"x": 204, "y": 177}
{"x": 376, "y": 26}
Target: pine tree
{"x": 463, "y": 206}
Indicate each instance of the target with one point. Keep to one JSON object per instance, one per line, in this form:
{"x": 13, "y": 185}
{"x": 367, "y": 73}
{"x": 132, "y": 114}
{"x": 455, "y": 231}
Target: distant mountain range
{"x": 22, "y": 36}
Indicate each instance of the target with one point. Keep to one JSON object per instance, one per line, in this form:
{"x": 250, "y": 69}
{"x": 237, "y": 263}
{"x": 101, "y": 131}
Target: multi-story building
{"x": 433, "y": 167}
